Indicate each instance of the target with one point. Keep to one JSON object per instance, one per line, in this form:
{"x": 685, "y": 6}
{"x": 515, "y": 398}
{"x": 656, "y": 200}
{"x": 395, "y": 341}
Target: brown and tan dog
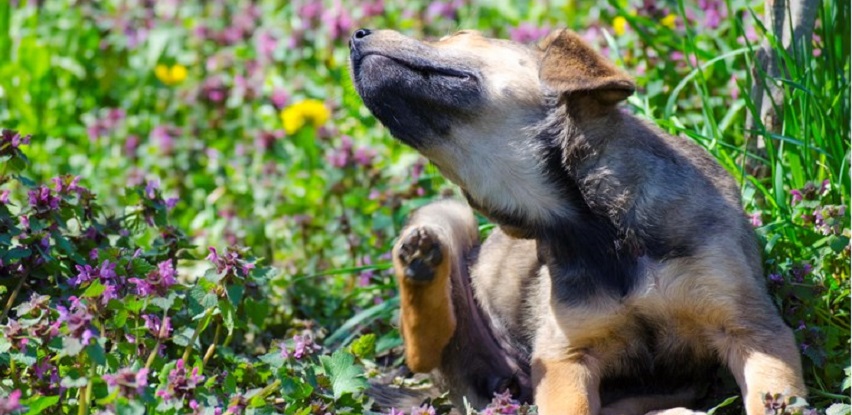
{"x": 623, "y": 268}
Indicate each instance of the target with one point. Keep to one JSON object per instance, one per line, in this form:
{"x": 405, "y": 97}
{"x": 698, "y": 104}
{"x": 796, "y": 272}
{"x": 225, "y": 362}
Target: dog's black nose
{"x": 360, "y": 34}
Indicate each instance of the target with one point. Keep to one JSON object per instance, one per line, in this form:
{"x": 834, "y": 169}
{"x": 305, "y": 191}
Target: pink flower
{"x": 11, "y": 403}
{"x": 129, "y": 382}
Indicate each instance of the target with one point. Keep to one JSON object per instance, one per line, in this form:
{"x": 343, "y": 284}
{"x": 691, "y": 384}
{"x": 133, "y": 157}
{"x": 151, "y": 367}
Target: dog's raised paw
{"x": 420, "y": 254}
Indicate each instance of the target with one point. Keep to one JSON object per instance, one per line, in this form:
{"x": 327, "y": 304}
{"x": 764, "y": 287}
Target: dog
{"x": 623, "y": 268}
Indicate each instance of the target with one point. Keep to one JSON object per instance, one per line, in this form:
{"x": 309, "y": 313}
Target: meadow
{"x": 196, "y": 209}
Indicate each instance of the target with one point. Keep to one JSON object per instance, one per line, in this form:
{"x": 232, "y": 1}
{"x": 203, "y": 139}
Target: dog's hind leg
{"x": 431, "y": 248}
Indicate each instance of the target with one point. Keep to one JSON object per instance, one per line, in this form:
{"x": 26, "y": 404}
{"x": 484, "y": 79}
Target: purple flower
{"x": 776, "y": 278}
{"x": 527, "y": 32}
{"x": 4, "y": 197}
{"x": 279, "y": 98}
{"x": 151, "y": 187}
{"x": 231, "y": 263}
{"x": 373, "y": 8}
{"x": 424, "y": 409}
{"x": 311, "y": 10}
{"x": 266, "y": 44}
{"x": 442, "y": 10}
{"x": 797, "y": 196}
{"x": 78, "y": 320}
{"x": 303, "y": 345}
{"x": 364, "y": 156}
{"x": 11, "y": 403}
{"x": 163, "y": 136}
{"x": 10, "y": 141}
{"x": 180, "y": 385}
{"x": 86, "y": 273}
{"x": 502, "y": 404}
{"x": 160, "y": 330}
{"x": 756, "y": 220}
{"x": 338, "y": 21}
{"x": 130, "y": 383}
{"x": 158, "y": 281}
{"x": 42, "y": 199}
{"x": 394, "y": 411}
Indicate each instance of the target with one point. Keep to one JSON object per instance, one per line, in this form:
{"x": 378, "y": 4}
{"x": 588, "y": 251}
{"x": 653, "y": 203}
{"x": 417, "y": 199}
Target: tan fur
{"x": 427, "y": 317}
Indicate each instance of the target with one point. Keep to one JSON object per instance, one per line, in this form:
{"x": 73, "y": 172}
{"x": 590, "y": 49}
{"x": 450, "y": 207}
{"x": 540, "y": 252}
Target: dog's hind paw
{"x": 420, "y": 253}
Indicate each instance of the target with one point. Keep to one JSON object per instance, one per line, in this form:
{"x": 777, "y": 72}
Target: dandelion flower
{"x": 310, "y": 111}
{"x": 619, "y": 25}
{"x": 170, "y": 75}
{"x": 669, "y": 21}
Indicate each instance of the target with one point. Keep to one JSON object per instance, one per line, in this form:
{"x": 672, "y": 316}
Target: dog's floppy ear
{"x": 572, "y": 67}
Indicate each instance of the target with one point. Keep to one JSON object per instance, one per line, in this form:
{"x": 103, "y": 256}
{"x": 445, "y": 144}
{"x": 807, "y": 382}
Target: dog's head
{"x": 476, "y": 107}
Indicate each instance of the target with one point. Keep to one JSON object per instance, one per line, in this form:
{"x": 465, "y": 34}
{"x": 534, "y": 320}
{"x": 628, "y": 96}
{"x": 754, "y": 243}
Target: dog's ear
{"x": 572, "y": 67}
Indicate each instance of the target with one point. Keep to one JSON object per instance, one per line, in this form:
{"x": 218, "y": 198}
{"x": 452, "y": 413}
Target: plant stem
{"x": 13, "y": 296}
{"x": 212, "y": 348}
{"x": 160, "y": 336}
{"x": 268, "y": 389}
{"x": 13, "y": 371}
{"x": 198, "y": 329}
{"x": 85, "y": 394}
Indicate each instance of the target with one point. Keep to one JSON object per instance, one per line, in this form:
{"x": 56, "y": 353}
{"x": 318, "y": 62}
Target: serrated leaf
{"x": 166, "y": 302}
{"x": 273, "y": 359}
{"x": 295, "y": 389}
{"x": 199, "y": 300}
{"x": 839, "y": 409}
{"x": 23, "y": 359}
{"x": 37, "y": 404}
{"x": 345, "y": 376}
{"x": 71, "y": 346}
{"x": 69, "y": 382}
{"x": 213, "y": 276}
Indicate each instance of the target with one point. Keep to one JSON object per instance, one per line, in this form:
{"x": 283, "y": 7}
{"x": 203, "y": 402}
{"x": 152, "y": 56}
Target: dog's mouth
{"x": 424, "y": 69}
{"x": 413, "y": 89}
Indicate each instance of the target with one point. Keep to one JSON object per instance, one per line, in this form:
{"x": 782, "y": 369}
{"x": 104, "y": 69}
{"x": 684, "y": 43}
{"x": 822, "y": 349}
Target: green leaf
{"x": 71, "y": 346}
{"x": 839, "y": 409}
{"x": 97, "y": 354}
{"x": 166, "y": 302}
{"x": 257, "y": 310}
{"x": 273, "y": 359}
{"x": 23, "y": 359}
{"x": 295, "y": 389}
{"x": 364, "y": 347}
{"x": 94, "y": 290}
{"x": 724, "y": 403}
{"x": 36, "y": 404}
{"x": 235, "y": 293}
{"x": 199, "y": 300}
{"x": 345, "y": 376}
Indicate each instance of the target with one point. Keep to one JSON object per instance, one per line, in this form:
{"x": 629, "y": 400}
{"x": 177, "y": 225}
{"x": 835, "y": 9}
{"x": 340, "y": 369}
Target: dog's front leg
{"x": 567, "y": 386}
{"x": 430, "y": 250}
{"x": 566, "y": 379}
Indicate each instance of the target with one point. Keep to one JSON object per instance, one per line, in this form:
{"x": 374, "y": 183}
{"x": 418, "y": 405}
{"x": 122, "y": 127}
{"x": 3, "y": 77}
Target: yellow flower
{"x": 297, "y": 115}
{"x": 619, "y": 25}
{"x": 170, "y": 75}
{"x": 669, "y": 21}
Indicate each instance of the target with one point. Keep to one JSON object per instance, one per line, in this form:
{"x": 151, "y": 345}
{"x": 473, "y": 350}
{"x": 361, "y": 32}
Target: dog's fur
{"x": 623, "y": 269}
